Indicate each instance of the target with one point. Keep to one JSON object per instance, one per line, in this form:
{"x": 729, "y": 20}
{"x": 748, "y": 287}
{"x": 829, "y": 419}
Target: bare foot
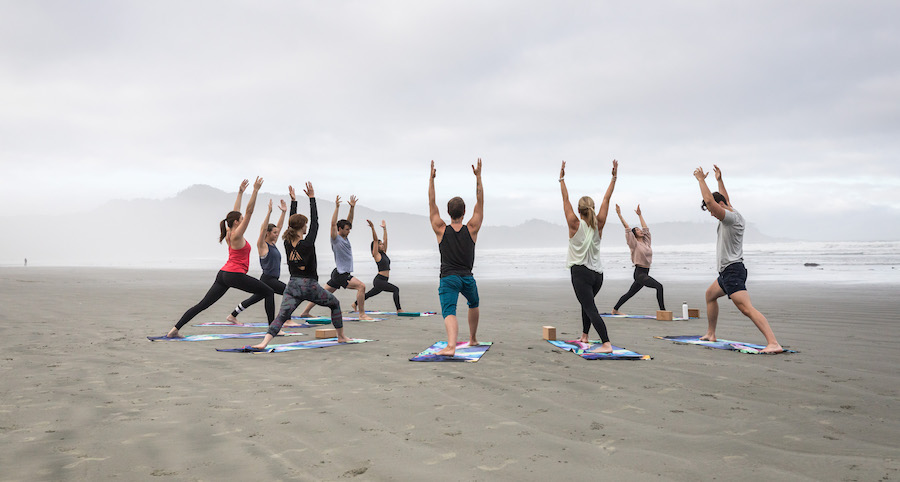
{"x": 292, "y": 325}
{"x": 604, "y": 348}
{"x": 772, "y": 349}
{"x": 305, "y": 315}
{"x": 231, "y": 319}
{"x": 343, "y": 339}
{"x": 584, "y": 339}
{"x": 709, "y": 337}
{"x": 353, "y": 306}
{"x": 363, "y": 316}
{"x": 173, "y": 333}
{"x": 449, "y": 351}
{"x": 259, "y": 346}
{"x": 617, "y": 312}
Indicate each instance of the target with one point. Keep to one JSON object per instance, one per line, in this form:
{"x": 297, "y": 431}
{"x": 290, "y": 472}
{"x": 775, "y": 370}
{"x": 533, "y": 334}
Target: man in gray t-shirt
{"x": 342, "y": 275}
{"x": 730, "y": 263}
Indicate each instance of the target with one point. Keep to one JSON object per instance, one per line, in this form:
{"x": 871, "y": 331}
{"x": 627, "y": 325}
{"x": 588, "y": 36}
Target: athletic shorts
{"x": 451, "y": 287}
{"x": 733, "y": 278}
{"x": 339, "y": 280}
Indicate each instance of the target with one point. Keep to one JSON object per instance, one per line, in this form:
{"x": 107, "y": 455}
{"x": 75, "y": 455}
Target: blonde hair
{"x": 586, "y": 210}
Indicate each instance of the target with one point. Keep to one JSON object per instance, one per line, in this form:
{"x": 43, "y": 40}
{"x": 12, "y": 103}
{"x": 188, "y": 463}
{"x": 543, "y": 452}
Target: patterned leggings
{"x": 305, "y": 289}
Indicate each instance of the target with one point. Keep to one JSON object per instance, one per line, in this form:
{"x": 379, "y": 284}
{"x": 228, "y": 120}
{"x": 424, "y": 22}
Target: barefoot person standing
{"x": 379, "y": 254}
{"x": 456, "y": 244}
{"x": 583, "y": 258}
{"x": 730, "y": 262}
{"x": 638, "y": 239}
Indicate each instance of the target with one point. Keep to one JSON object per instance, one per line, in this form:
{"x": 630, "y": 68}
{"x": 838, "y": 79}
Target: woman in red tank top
{"x": 234, "y": 273}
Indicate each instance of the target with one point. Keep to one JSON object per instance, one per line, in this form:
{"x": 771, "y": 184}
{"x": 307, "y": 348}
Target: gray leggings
{"x": 305, "y": 289}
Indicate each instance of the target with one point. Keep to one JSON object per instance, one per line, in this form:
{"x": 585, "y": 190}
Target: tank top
{"x": 385, "y": 263}
{"x": 457, "y": 252}
{"x": 584, "y": 248}
{"x": 238, "y": 259}
{"x": 343, "y": 254}
{"x": 271, "y": 263}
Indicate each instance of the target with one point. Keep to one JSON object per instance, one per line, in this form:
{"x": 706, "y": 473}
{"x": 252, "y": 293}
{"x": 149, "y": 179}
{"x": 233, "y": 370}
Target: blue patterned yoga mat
{"x": 297, "y": 345}
{"x": 398, "y": 313}
{"x": 583, "y": 350}
{"x": 719, "y": 344}
{"x": 221, "y": 336}
{"x": 464, "y": 352}
{"x": 326, "y": 320}
{"x": 639, "y": 317}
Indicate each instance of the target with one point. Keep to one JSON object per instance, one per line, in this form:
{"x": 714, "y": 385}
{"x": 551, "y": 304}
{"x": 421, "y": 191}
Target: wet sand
{"x": 84, "y": 395}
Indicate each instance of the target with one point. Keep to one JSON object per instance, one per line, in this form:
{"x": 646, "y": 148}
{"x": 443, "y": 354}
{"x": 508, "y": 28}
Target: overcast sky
{"x": 797, "y": 102}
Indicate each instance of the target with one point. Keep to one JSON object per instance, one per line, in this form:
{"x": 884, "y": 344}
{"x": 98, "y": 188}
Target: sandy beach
{"x": 85, "y": 396}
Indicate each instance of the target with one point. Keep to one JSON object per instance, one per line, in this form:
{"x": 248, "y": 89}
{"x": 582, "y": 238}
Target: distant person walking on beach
{"x": 342, "y": 275}
{"x": 583, "y": 258}
{"x": 234, "y": 273}
{"x": 304, "y": 285}
{"x": 457, "y": 248}
{"x": 269, "y": 258}
{"x": 730, "y": 261}
{"x": 638, "y": 240}
{"x": 379, "y": 253}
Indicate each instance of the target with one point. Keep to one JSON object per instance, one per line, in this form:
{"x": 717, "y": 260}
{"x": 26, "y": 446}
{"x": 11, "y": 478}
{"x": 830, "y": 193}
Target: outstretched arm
{"x": 711, "y": 204}
{"x": 241, "y": 189}
{"x": 643, "y": 223}
{"x": 238, "y": 232}
{"x": 283, "y": 207}
{"x": 722, "y": 191}
{"x": 261, "y": 242}
{"x": 334, "y": 217}
{"x": 604, "y": 206}
{"x": 352, "y": 209}
{"x": 437, "y": 224}
{"x": 384, "y": 237}
{"x": 313, "y": 230}
{"x": 571, "y": 218}
{"x": 374, "y": 241}
{"x": 619, "y": 212}
{"x": 478, "y": 212}
{"x": 293, "y": 200}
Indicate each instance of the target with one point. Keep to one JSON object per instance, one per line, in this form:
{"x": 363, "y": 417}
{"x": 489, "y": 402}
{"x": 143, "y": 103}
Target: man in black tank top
{"x": 456, "y": 243}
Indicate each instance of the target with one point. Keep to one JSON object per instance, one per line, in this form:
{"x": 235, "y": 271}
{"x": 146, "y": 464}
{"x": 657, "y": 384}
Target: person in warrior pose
{"x": 269, "y": 260}
{"x": 730, "y": 261}
{"x": 341, "y": 276}
{"x": 300, "y": 251}
{"x": 379, "y": 253}
{"x": 583, "y": 258}
{"x": 457, "y": 248}
{"x": 234, "y": 273}
{"x": 638, "y": 239}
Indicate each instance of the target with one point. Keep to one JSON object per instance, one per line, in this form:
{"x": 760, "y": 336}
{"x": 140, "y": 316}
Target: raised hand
{"x": 283, "y": 206}
{"x": 352, "y": 201}
{"x": 477, "y": 170}
{"x": 383, "y": 225}
{"x": 370, "y": 223}
{"x": 244, "y": 185}
{"x": 699, "y": 174}
{"x": 718, "y": 172}
{"x": 291, "y": 192}
{"x": 637, "y": 211}
{"x": 562, "y": 171}
{"x": 433, "y": 170}
{"x": 615, "y": 168}
{"x": 310, "y": 193}
{"x": 257, "y": 184}
{"x": 337, "y": 200}
{"x": 270, "y": 205}
{"x": 618, "y": 210}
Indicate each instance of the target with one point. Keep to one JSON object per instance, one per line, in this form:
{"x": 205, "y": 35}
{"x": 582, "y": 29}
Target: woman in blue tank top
{"x": 379, "y": 253}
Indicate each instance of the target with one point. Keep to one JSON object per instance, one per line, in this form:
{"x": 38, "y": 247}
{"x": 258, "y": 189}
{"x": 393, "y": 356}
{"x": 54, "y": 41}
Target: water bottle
{"x": 684, "y": 310}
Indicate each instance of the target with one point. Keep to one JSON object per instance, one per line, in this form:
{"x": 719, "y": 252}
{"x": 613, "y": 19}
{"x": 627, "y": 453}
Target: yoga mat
{"x": 639, "y": 317}
{"x": 400, "y": 313}
{"x": 326, "y": 320}
{"x": 220, "y": 336}
{"x": 582, "y": 350}
{"x": 719, "y": 344}
{"x": 463, "y": 353}
{"x": 297, "y": 345}
{"x": 264, "y": 325}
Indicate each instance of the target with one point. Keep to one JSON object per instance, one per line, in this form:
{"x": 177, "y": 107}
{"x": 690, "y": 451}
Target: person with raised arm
{"x": 457, "y": 248}
{"x": 234, "y": 273}
{"x": 269, "y": 259}
{"x": 583, "y": 257}
{"x": 342, "y": 274}
{"x": 638, "y": 240}
{"x": 379, "y": 254}
{"x": 730, "y": 262}
{"x": 300, "y": 251}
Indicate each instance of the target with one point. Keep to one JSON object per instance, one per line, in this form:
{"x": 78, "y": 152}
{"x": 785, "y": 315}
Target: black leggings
{"x": 587, "y": 283}
{"x": 379, "y": 284}
{"x": 270, "y": 281}
{"x": 225, "y": 280}
{"x": 642, "y": 278}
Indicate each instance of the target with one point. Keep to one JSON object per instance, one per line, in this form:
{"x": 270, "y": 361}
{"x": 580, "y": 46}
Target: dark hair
{"x": 343, "y": 222}
{"x": 270, "y": 227}
{"x": 717, "y": 197}
{"x": 372, "y": 245}
{"x": 634, "y": 231}
{"x": 456, "y": 208}
{"x": 296, "y": 223}
{"x": 229, "y": 221}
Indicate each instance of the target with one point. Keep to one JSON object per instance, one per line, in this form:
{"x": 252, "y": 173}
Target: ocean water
{"x": 832, "y": 262}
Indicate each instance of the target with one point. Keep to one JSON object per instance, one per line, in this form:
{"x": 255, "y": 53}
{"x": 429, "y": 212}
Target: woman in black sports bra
{"x": 379, "y": 252}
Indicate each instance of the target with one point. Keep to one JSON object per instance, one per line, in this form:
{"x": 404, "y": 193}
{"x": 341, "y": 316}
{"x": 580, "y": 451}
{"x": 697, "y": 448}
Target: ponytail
{"x": 229, "y": 221}
{"x": 296, "y": 223}
{"x": 586, "y": 210}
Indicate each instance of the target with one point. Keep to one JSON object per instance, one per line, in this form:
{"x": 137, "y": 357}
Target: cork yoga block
{"x": 326, "y": 333}
{"x": 694, "y": 312}
{"x": 550, "y": 333}
{"x": 664, "y": 315}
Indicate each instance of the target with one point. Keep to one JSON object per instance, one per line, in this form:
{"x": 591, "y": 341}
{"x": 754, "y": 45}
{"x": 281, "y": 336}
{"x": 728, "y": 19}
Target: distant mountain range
{"x": 185, "y": 227}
